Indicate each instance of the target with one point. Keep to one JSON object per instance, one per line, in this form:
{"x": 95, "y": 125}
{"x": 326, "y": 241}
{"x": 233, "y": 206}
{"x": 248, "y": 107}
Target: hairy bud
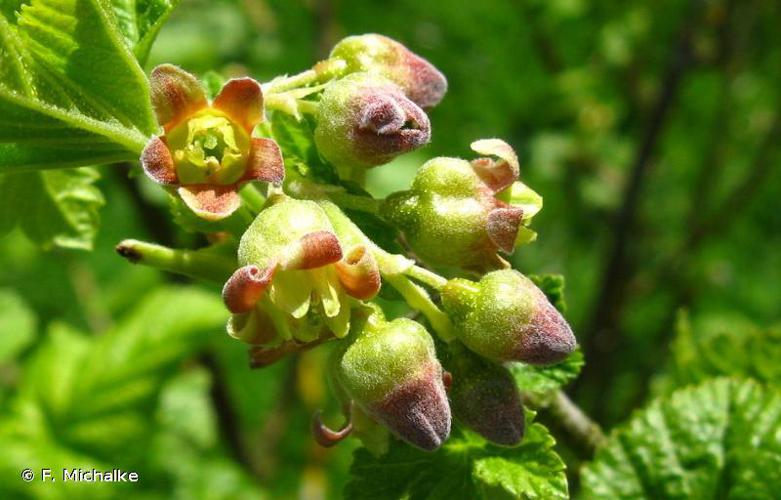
{"x": 391, "y": 372}
{"x": 484, "y": 396}
{"x": 460, "y": 214}
{"x": 365, "y": 120}
{"x": 505, "y": 317}
{"x": 421, "y": 81}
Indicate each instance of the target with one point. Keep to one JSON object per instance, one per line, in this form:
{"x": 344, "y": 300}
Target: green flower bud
{"x": 391, "y": 372}
{"x": 505, "y": 317}
{"x": 296, "y": 275}
{"x": 484, "y": 396}
{"x": 365, "y": 120}
{"x": 460, "y": 214}
{"x": 421, "y": 81}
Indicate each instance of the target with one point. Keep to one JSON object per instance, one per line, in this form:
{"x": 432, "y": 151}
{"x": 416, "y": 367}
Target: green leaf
{"x": 296, "y": 139}
{"x": 721, "y": 344}
{"x": 53, "y": 207}
{"x": 465, "y": 467}
{"x": 140, "y": 21}
{"x": 71, "y": 90}
{"x": 716, "y": 440}
{"x": 17, "y": 325}
{"x": 540, "y": 382}
{"x": 97, "y": 391}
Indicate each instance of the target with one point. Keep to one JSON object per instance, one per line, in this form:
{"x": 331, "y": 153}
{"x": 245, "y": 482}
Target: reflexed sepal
{"x": 421, "y": 81}
{"x": 505, "y": 317}
{"x": 365, "y": 120}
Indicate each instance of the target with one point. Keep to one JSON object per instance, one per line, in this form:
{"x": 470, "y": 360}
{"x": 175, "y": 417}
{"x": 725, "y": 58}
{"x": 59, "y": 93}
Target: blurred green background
{"x": 651, "y": 128}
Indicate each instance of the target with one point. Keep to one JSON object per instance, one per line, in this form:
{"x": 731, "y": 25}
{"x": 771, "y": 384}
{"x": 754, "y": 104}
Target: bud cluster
{"x": 301, "y": 272}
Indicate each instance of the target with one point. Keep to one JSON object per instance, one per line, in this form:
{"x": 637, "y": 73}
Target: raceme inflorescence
{"x": 305, "y": 255}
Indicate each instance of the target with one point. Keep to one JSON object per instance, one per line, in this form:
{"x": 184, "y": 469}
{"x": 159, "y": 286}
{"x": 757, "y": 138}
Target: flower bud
{"x": 460, "y": 214}
{"x": 421, "y": 81}
{"x": 505, "y": 317}
{"x": 365, "y": 120}
{"x": 296, "y": 275}
{"x": 391, "y": 372}
{"x": 484, "y": 396}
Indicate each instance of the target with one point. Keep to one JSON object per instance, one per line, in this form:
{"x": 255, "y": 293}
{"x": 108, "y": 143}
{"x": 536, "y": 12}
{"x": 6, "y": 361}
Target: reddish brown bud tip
{"x": 502, "y": 227}
{"x": 427, "y": 84}
{"x": 417, "y": 410}
{"x": 359, "y": 274}
{"x": 265, "y": 162}
{"x": 157, "y": 162}
{"x": 245, "y": 287}
{"x": 242, "y": 100}
{"x": 547, "y": 339}
{"x": 176, "y": 94}
{"x": 313, "y": 250}
{"x": 324, "y": 435}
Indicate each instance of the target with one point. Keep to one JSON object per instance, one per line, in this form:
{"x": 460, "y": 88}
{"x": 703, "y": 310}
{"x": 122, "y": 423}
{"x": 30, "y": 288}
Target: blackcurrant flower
{"x": 460, "y": 214}
{"x": 505, "y": 317}
{"x": 297, "y": 280}
{"x": 207, "y": 150}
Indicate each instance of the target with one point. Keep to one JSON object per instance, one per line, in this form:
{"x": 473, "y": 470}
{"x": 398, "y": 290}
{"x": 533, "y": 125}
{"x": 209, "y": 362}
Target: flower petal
{"x": 264, "y": 162}
{"x": 496, "y": 174}
{"x": 176, "y": 94}
{"x": 210, "y": 202}
{"x": 242, "y": 100}
{"x": 324, "y": 435}
{"x": 502, "y": 227}
{"x": 359, "y": 274}
{"x": 158, "y": 163}
{"x": 245, "y": 287}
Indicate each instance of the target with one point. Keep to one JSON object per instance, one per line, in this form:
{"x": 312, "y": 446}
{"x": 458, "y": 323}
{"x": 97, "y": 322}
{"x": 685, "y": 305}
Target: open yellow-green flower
{"x": 207, "y": 150}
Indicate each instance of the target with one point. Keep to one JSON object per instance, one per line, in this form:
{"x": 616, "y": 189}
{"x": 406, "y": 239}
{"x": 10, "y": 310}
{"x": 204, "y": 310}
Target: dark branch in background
{"x": 542, "y": 42}
{"x": 586, "y": 434}
{"x": 276, "y": 422}
{"x": 156, "y": 220}
{"x": 228, "y": 423}
{"x": 602, "y": 334}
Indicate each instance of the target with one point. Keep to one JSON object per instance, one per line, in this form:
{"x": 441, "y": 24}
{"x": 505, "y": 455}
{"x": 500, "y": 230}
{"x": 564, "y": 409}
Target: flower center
{"x": 209, "y": 148}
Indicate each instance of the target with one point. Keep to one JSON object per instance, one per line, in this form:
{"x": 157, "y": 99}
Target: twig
{"x": 576, "y": 423}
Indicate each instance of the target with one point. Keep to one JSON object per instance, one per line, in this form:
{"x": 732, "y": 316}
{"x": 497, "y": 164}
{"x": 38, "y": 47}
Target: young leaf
{"x": 716, "y": 440}
{"x": 540, "y": 381}
{"x": 465, "y": 467}
{"x": 53, "y": 207}
{"x": 721, "y": 345}
{"x": 140, "y": 21}
{"x": 552, "y": 285}
{"x": 71, "y": 91}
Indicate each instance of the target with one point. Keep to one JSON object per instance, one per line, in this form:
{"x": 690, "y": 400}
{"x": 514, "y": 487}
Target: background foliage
{"x": 650, "y": 128}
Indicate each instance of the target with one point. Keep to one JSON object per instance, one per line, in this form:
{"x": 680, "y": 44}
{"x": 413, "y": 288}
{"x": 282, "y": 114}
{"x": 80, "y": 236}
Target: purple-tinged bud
{"x": 365, "y": 120}
{"x": 460, "y": 214}
{"x": 421, "y": 81}
{"x": 484, "y": 396}
{"x": 391, "y": 372}
{"x": 505, "y": 317}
